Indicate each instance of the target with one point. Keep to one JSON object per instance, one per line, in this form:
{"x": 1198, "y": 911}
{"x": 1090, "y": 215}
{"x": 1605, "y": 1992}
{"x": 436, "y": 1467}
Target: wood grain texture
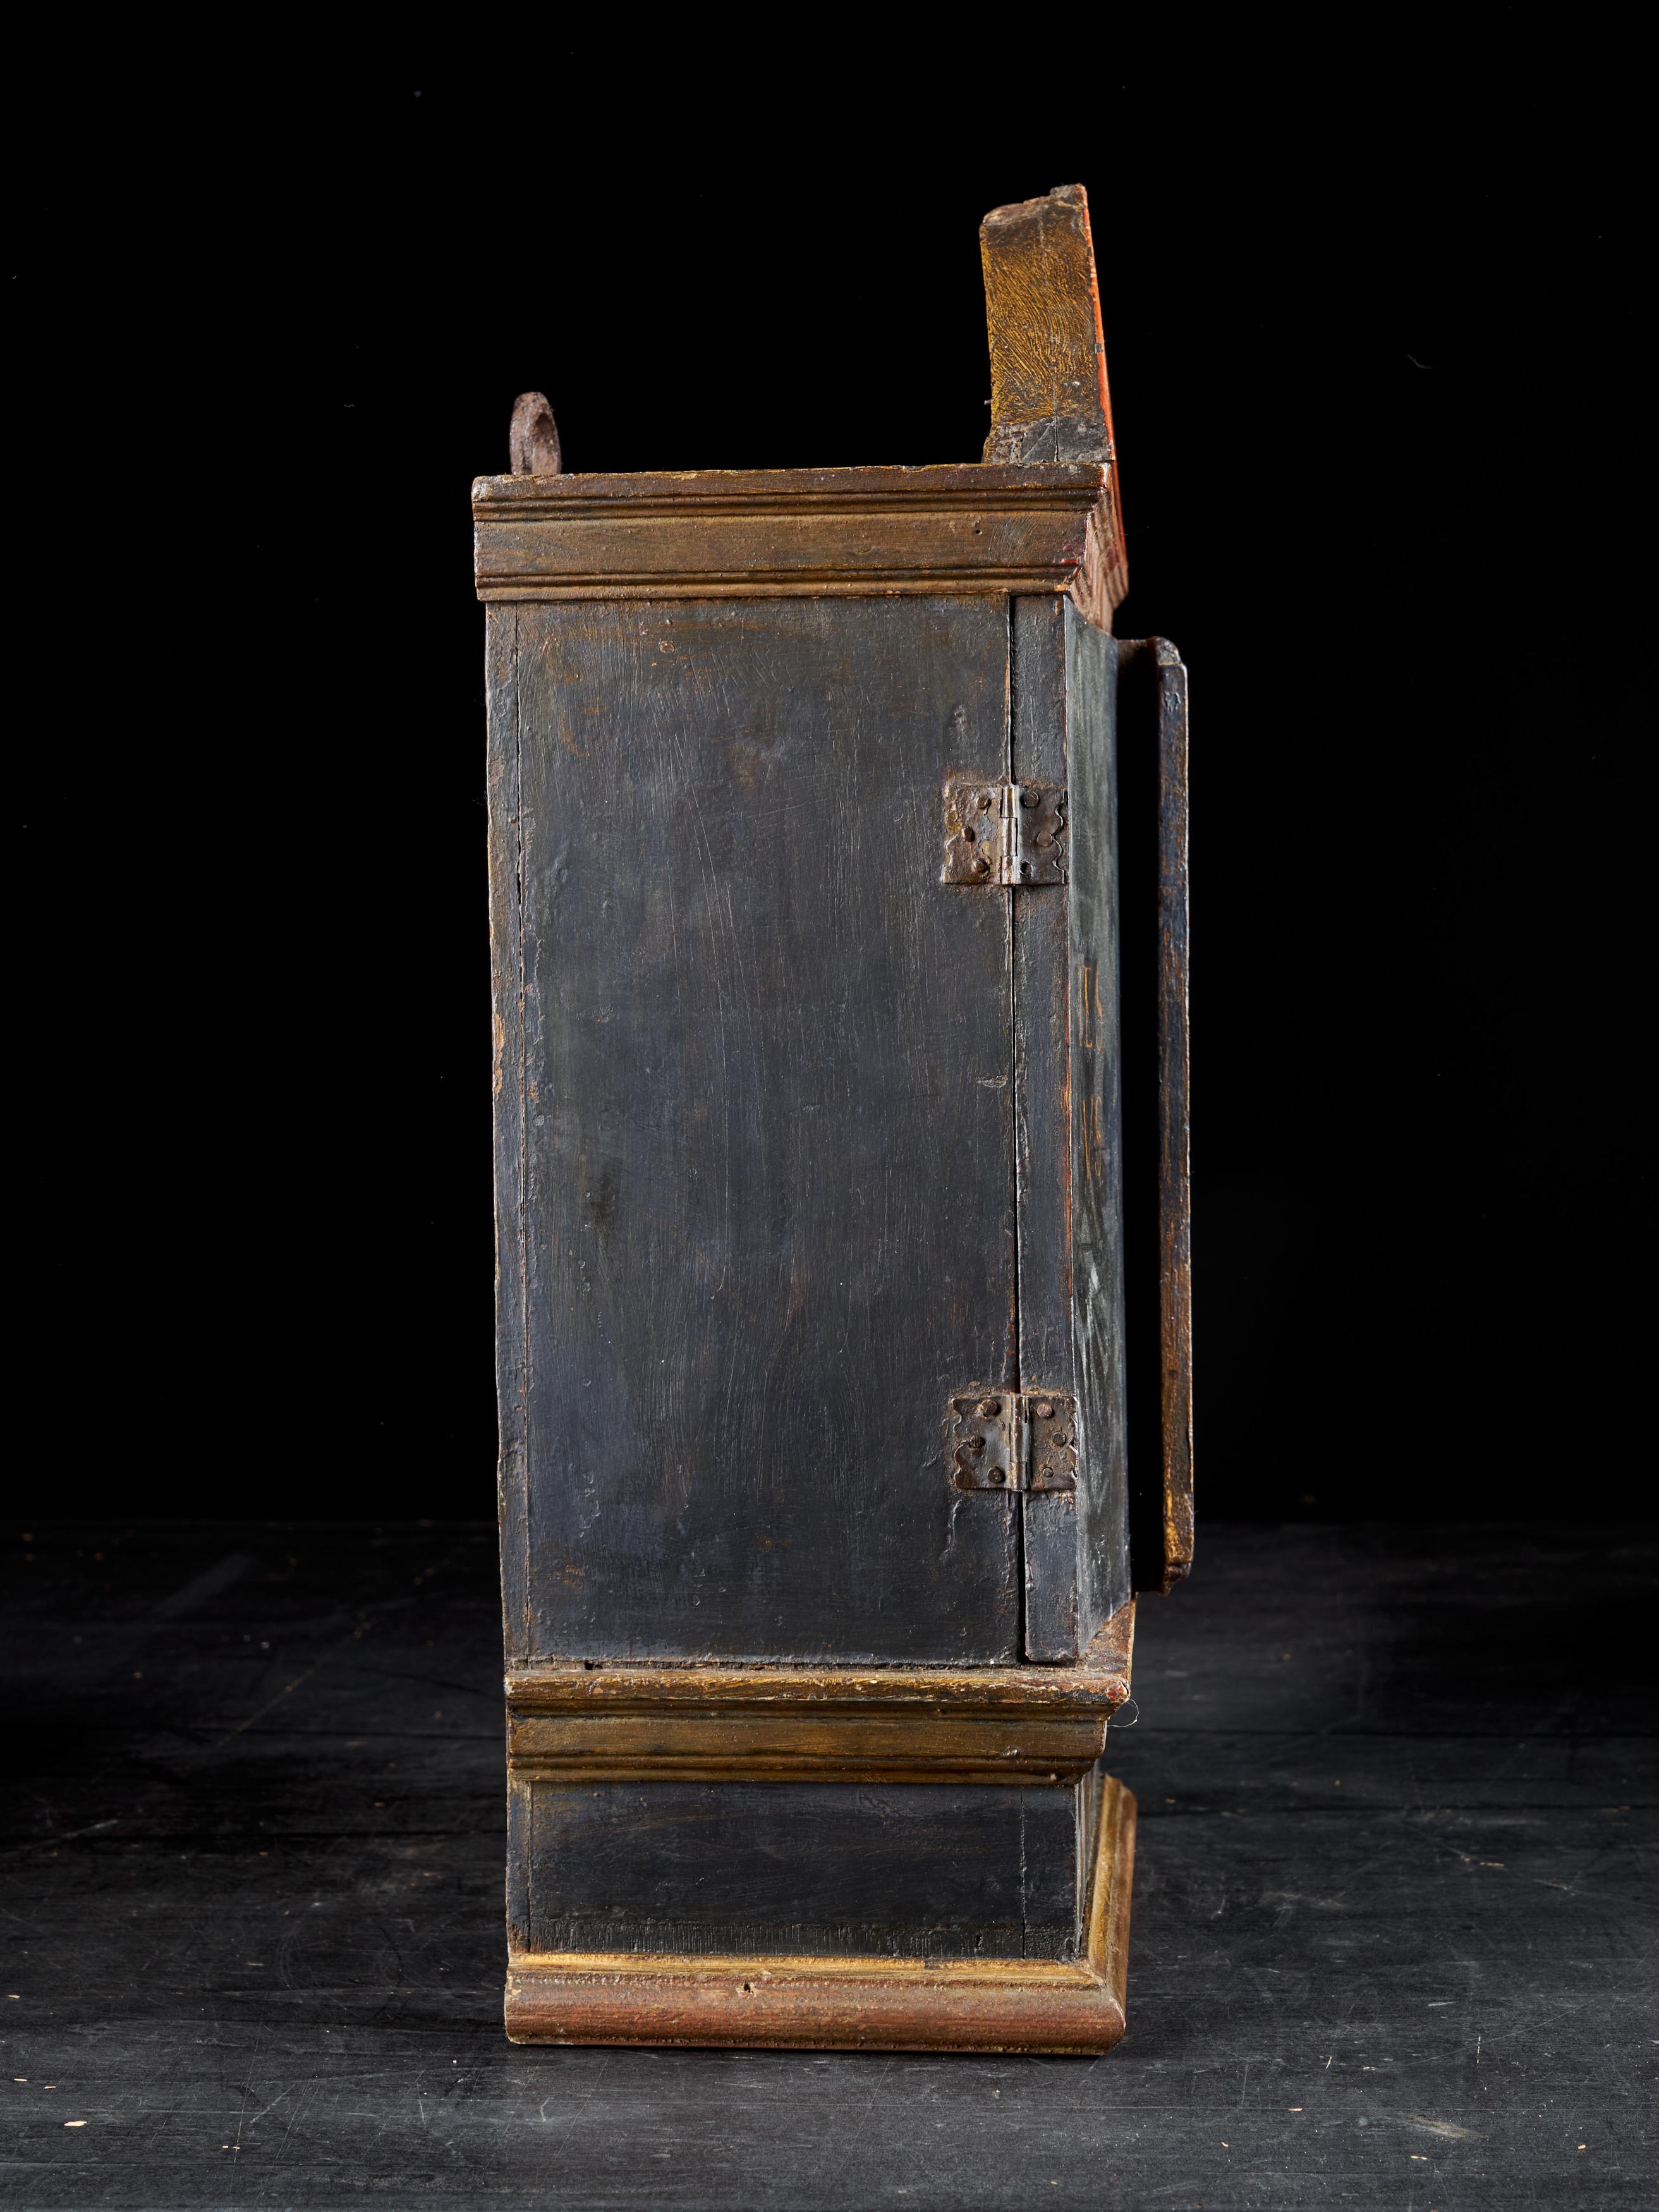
{"x": 832, "y": 1869}
{"x": 533, "y": 437}
{"x": 1152, "y": 754}
{"x": 1175, "y": 1171}
{"x": 798, "y": 532}
{"x": 923, "y": 1724}
{"x": 767, "y": 1216}
{"x": 851, "y": 2003}
{"x": 507, "y": 1081}
{"x": 1097, "y": 1684}
{"x": 1096, "y": 1122}
{"x": 1049, "y": 399}
{"x": 795, "y": 1746}
{"x": 1054, "y": 1628}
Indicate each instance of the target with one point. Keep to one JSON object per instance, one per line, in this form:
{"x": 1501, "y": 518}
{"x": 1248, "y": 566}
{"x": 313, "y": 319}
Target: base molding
{"x": 849, "y": 2004}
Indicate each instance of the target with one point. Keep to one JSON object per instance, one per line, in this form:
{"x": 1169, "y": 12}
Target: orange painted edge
{"x": 849, "y": 2004}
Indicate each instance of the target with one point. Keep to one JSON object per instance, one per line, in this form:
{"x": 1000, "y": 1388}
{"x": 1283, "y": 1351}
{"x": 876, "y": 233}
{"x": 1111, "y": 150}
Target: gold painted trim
{"x": 715, "y": 1746}
{"x": 849, "y": 2004}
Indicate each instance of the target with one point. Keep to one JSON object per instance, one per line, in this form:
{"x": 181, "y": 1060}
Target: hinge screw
{"x": 990, "y": 1406}
{"x": 981, "y": 866}
{"x": 1045, "y": 1411}
{"x": 985, "y": 802}
{"x": 1028, "y": 798}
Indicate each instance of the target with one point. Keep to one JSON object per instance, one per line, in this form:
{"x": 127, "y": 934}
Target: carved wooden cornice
{"x": 803, "y": 533}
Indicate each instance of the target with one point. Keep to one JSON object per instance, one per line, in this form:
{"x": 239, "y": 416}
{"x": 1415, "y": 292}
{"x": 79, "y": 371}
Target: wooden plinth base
{"x": 849, "y": 2004}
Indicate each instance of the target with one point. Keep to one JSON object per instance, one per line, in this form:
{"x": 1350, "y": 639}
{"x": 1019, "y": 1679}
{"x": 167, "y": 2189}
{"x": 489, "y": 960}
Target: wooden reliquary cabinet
{"x": 838, "y": 864}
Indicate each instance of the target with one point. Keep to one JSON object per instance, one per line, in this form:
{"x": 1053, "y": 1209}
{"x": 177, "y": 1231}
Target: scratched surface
{"x": 1393, "y": 1924}
{"x": 767, "y": 1129}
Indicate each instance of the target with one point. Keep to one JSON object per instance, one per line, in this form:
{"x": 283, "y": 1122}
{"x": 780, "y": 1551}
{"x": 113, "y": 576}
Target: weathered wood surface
{"x": 1395, "y": 1865}
{"x": 1153, "y": 766}
{"x": 510, "y": 1111}
{"x": 1093, "y": 1687}
{"x": 1070, "y": 2003}
{"x": 705, "y": 834}
{"x": 727, "y": 1326}
{"x": 1056, "y": 1626}
{"x": 793, "y": 1746}
{"x": 619, "y": 754}
{"x": 1174, "y": 1250}
{"x": 756, "y": 1113}
{"x": 1095, "y": 1134}
{"x": 1043, "y": 1724}
{"x": 533, "y": 437}
{"x": 829, "y": 1869}
{"x": 776, "y": 534}
{"x": 1049, "y": 399}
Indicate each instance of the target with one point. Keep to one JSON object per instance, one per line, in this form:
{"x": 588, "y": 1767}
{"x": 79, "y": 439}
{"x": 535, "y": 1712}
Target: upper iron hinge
{"x": 1004, "y": 834}
{"x": 1012, "y": 1440}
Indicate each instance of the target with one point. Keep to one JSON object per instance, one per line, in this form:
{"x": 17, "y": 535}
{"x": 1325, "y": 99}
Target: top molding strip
{"x": 802, "y": 533}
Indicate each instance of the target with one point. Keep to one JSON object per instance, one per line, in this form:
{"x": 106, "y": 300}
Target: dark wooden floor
{"x": 1394, "y": 1926}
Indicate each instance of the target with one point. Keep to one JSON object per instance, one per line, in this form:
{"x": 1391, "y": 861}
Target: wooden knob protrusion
{"x": 533, "y": 439}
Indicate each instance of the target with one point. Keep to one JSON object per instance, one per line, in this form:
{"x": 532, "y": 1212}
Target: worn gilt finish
{"x": 818, "y": 1308}
{"x": 1070, "y": 2007}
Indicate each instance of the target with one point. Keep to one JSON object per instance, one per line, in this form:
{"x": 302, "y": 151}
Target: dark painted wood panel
{"x": 1158, "y": 1255}
{"x": 506, "y": 1006}
{"x": 1175, "y": 1227}
{"x": 767, "y": 1208}
{"x": 1096, "y": 1149}
{"x": 836, "y": 1869}
{"x": 1042, "y": 1023}
{"x": 1038, "y": 652}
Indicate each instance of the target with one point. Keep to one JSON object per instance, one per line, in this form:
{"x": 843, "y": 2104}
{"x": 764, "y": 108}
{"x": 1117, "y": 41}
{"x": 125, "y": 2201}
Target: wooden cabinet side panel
{"x": 1097, "y": 1136}
{"x": 768, "y": 1201}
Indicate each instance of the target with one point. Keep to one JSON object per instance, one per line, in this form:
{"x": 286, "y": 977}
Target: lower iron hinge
{"x": 1012, "y": 1440}
{"x": 1004, "y": 834}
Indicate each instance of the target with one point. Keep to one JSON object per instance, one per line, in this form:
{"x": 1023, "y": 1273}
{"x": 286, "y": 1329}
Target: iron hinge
{"x": 1004, "y": 834}
{"x": 1012, "y": 1440}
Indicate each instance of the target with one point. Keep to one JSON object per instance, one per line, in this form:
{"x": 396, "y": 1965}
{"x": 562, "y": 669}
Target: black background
{"x": 1373, "y": 315}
